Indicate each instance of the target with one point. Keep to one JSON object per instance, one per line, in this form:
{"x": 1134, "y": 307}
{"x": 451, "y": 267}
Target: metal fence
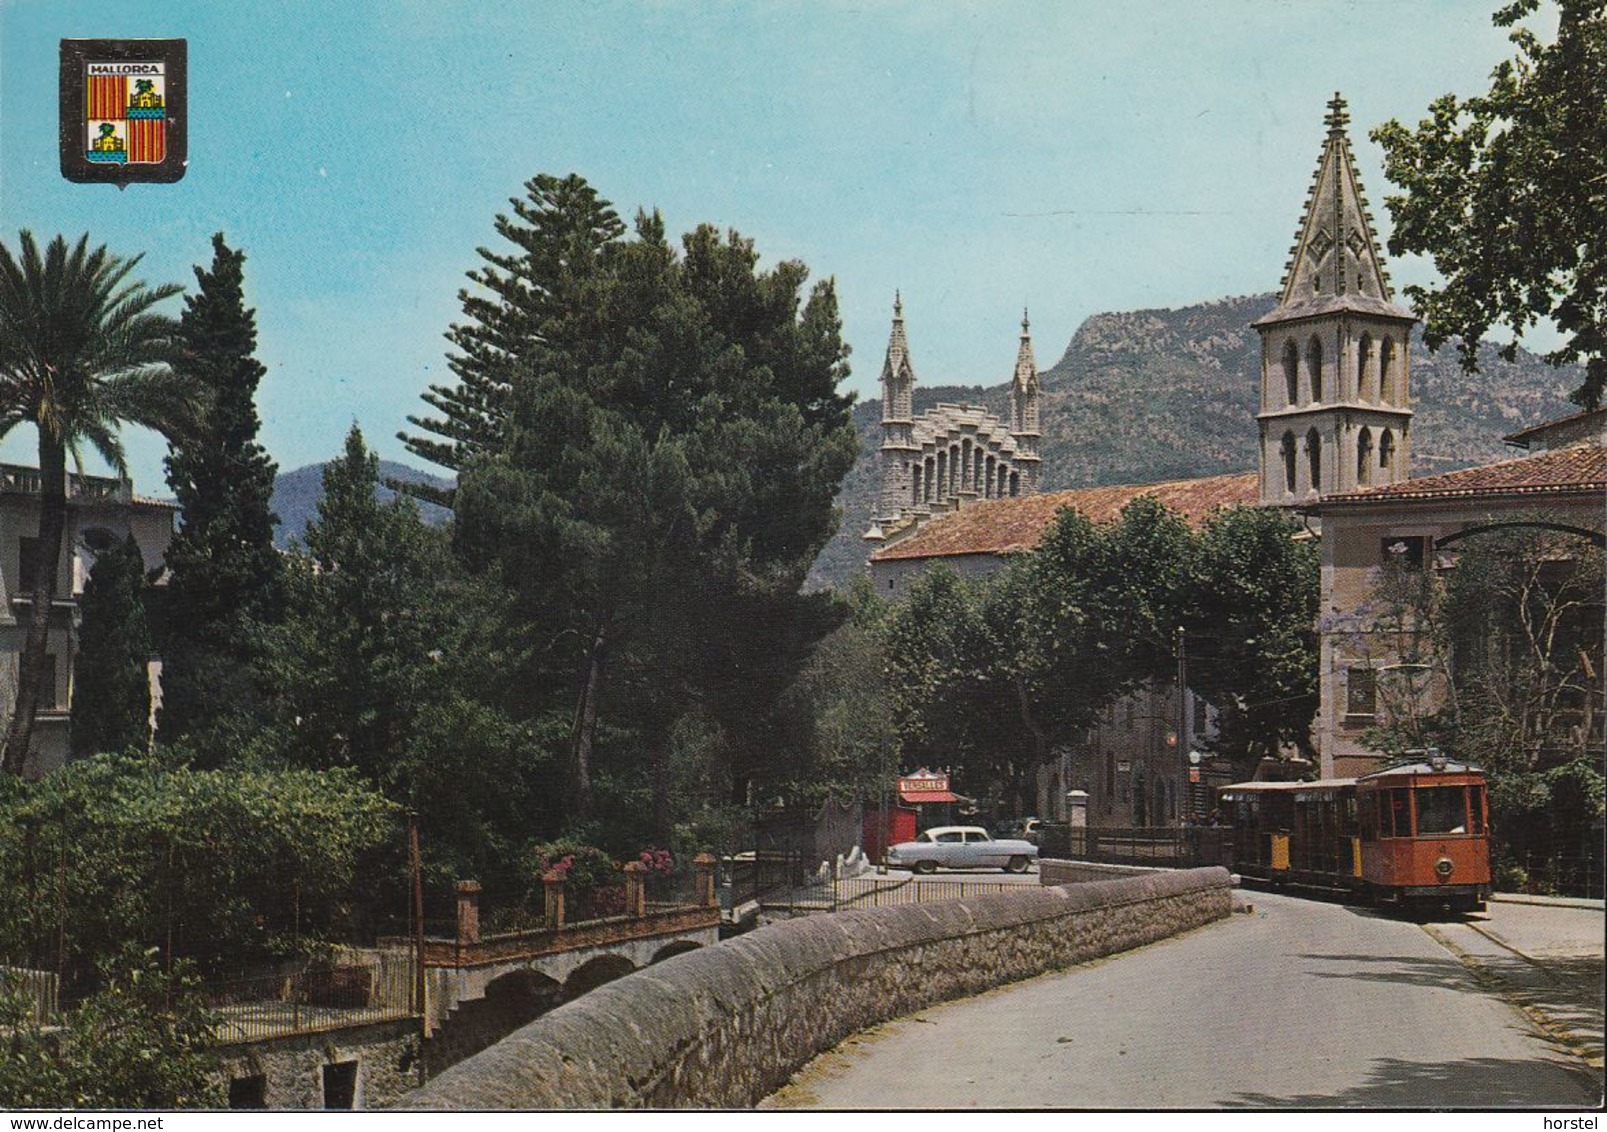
{"x": 878, "y": 892}
{"x": 1165, "y": 846}
{"x": 354, "y": 989}
{"x": 1546, "y": 874}
{"x": 39, "y": 989}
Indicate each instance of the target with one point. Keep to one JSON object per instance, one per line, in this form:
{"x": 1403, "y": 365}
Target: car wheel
{"x": 1016, "y": 865}
{"x": 925, "y": 868}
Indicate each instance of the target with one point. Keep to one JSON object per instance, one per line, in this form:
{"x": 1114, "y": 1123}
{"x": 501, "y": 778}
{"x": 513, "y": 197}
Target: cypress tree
{"x": 225, "y": 576}
{"x": 111, "y": 708}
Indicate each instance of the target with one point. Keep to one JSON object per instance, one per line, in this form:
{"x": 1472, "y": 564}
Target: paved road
{"x": 1297, "y": 1005}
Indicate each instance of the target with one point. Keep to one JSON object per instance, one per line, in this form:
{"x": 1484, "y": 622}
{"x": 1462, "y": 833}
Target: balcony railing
{"x": 19, "y": 480}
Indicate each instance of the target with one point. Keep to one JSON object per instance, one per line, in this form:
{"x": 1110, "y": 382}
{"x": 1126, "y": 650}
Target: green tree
{"x": 391, "y": 661}
{"x": 665, "y": 476}
{"x": 993, "y": 675}
{"x": 939, "y": 660}
{"x": 141, "y": 1042}
{"x": 1521, "y": 621}
{"x": 111, "y": 709}
{"x": 227, "y": 868}
{"x": 558, "y": 230}
{"x": 1252, "y": 636}
{"x": 82, "y": 352}
{"x": 1508, "y": 192}
{"x": 224, "y": 578}
{"x": 838, "y": 713}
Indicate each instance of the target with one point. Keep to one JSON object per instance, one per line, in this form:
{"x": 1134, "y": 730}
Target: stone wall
{"x": 1052, "y": 872}
{"x": 385, "y": 1056}
{"x": 725, "y": 1026}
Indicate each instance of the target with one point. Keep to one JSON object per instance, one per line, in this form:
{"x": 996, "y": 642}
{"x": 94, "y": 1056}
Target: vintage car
{"x": 961, "y": 847}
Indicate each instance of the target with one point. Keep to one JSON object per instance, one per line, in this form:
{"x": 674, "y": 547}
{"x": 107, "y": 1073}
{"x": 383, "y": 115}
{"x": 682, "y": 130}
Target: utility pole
{"x": 416, "y": 866}
{"x": 1183, "y": 745}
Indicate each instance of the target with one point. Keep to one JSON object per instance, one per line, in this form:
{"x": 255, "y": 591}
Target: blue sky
{"x": 1066, "y": 156}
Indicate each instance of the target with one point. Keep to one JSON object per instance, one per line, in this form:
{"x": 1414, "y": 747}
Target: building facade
{"x": 1372, "y": 673}
{"x": 952, "y": 454}
{"x": 102, "y": 513}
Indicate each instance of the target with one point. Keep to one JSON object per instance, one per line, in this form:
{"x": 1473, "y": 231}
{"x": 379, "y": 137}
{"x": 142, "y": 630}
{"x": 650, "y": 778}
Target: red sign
{"x": 923, "y": 782}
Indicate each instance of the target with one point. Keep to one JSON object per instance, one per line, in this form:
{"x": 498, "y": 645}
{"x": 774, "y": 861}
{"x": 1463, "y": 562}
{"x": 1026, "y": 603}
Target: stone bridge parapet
{"x": 725, "y": 1026}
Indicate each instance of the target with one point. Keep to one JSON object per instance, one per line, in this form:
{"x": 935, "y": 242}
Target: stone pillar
{"x": 468, "y": 911}
{"x": 705, "y": 864}
{"x": 553, "y": 906}
{"x": 1077, "y": 809}
{"x": 635, "y": 889}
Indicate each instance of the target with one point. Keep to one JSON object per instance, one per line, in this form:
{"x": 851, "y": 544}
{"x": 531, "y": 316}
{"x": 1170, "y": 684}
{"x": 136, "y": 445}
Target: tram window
{"x": 1400, "y": 815}
{"x": 1367, "y": 808}
{"x": 1442, "y": 809}
{"x": 1476, "y": 809}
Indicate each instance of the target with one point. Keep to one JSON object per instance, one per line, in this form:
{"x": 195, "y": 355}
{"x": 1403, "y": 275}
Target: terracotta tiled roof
{"x": 1523, "y": 435}
{"x": 1566, "y": 471}
{"x": 1010, "y": 526}
{"x": 153, "y": 501}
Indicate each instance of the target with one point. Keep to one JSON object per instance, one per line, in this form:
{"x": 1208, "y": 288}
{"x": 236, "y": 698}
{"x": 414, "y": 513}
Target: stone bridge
{"x": 479, "y": 988}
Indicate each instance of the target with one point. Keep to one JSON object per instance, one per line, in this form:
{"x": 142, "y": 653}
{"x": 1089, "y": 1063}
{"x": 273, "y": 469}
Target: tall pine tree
{"x": 225, "y": 576}
{"x": 111, "y": 708}
{"x": 558, "y": 230}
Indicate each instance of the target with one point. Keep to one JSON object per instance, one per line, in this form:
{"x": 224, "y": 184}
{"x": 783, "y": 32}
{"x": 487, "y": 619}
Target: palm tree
{"x": 82, "y": 352}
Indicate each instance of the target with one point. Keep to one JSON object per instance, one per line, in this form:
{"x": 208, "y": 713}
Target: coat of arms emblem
{"x": 122, "y": 110}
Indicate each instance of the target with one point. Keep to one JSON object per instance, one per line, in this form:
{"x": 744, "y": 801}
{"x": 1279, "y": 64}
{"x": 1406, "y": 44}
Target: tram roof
{"x": 1446, "y": 767}
{"x": 1288, "y": 787}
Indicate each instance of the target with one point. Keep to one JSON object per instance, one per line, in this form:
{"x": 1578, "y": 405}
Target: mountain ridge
{"x": 296, "y": 494}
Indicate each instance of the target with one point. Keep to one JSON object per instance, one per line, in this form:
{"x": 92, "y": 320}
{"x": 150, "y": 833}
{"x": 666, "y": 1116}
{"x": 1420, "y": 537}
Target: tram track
{"x": 1485, "y": 959}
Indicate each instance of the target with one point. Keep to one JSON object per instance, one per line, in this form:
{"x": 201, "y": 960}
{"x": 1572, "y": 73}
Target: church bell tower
{"x": 899, "y": 449}
{"x": 1024, "y": 412}
{"x": 1335, "y": 378}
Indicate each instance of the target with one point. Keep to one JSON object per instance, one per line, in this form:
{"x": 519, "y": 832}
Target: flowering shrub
{"x": 657, "y": 861}
{"x": 593, "y": 887}
{"x": 594, "y": 884}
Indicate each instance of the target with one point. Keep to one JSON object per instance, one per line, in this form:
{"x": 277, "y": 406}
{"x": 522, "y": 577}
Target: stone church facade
{"x": 951, "y": 454}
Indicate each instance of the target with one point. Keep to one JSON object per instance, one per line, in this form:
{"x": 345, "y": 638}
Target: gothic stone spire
{"x": 1335, "y": 352}
{"x": 1336, "y": 259}
{"x": 1024, "y": 408}
{"x": 898, "y": 372}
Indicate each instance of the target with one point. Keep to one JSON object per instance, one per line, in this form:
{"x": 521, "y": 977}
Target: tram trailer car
{"x": 1415, "y": 837}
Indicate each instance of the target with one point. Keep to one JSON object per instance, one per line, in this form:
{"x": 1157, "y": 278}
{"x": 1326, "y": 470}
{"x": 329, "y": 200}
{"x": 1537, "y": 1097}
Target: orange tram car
{"x": 1415, "y": 837}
